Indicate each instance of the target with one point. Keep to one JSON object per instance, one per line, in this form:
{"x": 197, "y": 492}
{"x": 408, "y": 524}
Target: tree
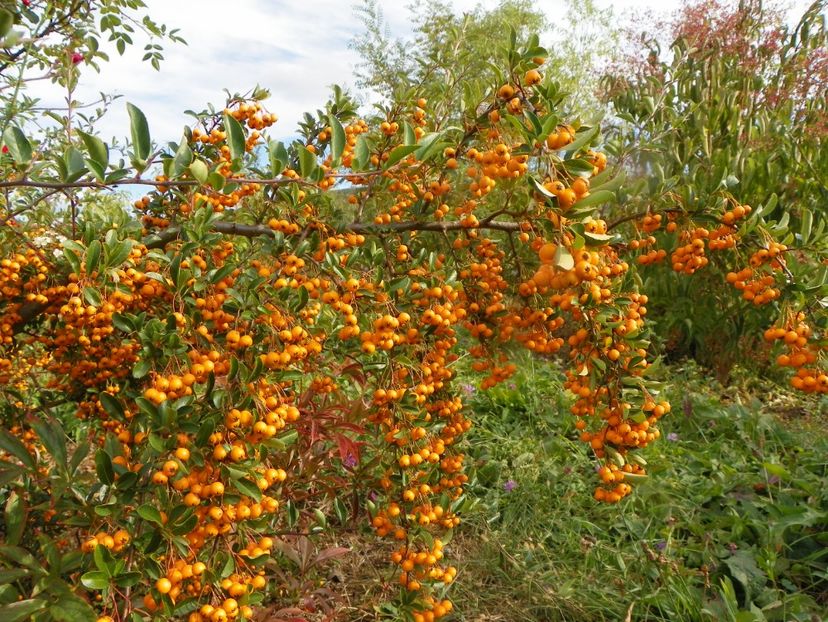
{"x": 459, "y": 49}
{"x": 253, "y": 357}
{"x": 733, "y": 116}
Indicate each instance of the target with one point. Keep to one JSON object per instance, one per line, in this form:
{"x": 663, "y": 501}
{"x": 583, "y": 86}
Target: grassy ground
{"x": 732, "y": 524}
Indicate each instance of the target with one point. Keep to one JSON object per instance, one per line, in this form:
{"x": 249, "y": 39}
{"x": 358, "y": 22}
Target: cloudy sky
{"x": 295, "y": 49}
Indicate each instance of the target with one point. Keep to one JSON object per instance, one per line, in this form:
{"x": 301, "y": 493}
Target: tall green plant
{"x": 734, "y": 113}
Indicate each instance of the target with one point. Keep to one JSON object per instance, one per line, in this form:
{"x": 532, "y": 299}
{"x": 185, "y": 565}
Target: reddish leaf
{"x": 331, "y": 553}
{"x": 348, "y": 450}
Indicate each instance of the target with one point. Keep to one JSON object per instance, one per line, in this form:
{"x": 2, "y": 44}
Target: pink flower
{"x": 77, "y": 57}
{"x": 5, "y": 149}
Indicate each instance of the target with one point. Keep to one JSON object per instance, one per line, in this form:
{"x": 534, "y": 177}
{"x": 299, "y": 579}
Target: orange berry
{"x": 163, "y": 585}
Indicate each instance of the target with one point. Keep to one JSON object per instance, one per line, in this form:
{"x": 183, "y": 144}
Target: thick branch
{"x": 252, "y": 231}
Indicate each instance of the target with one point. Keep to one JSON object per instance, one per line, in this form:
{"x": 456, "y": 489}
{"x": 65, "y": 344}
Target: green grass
{"x": 731, "y": 525}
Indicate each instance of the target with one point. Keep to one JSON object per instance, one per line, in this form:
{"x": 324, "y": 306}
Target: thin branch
{"x": 133, "y": 181}
{"x": 137, "y": 181}
{"x": 252, "y": 231}
{"x": 638, "y": 215}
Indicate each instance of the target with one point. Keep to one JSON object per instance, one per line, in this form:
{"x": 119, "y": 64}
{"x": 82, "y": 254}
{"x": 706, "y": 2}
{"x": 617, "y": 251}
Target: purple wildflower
{"x": 673, "y": 437}
{"x": 468, "y": 388}
{"x": 350, "y": 461}
{"x": 661, "y": 545}
{"x": 509, "y": 485}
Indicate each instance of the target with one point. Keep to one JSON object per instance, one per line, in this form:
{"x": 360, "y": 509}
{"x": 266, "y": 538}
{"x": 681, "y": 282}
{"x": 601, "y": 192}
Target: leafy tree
{"x": 448, "y": 49}
{"x": 732, "y": 115}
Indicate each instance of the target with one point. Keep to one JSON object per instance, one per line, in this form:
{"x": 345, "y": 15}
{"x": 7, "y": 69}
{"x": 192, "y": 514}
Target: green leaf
{"x": 104, "y": 560}
{"x": 13, "y": 445}
{"x": 409, "y": 138}
{"x": 141, "y": 143}
{"x": 22, "y": 610}
{"x": 248, "y": 488}
{"x": 228, "y": 567}
{"x": 578, "y": 166}
{"x": 127, "y": 481}
{"x": 111, "y": 405}
{"x": 122, "y": 323}
{"x": 216, "y": 180}
{"x": 92, "y": 296}
{"x": 93, "y": 254}
{"x": 337, "y": 139}
{"x": 71, "y": 608}
{"x": 362, "y": 154}
{"x": 6, "y": 22}
{"x": 118, "y": 254}
{"x": 598, "y": 239}
{"x": 103, "y": 467}
{"x": 21, "y": 557}
{"x": 72, "y": 259}
{"x": 9, "y": 472}
{"x": 582, "y": 139}
{"x": 149, "y": 513}
{"x": 183, "y": 158}
{"x": 141, "y": 368}
{"x": 199, "y": 171}
{"x": 399, "y": 153}
{"x": 807, "y": 224}
{"x": 612, "y": 185}
{"x": 594, "y": 198}
{"x": 128, "y": 579}
{"x": 74, "y": 164}
{"x": 341, "y": 510}
{"x": 278, "y": 157}
{"x": 188, "y": 606}
{"x": 19, "y": 147}
{"x": 235, "y": 137}
{"x": 563, "y": 259}
{"x": 96, "y": 148}
{"x": 9, "y": 576}
{"x": 15, "y": 516}
{"x": 307, "y": 160}
{"x": 95, "y": 580}
{"x": 777, "y": 469}
{"x": 767, "y": 208}
{"x": 429, "y": 145}
{"x": 79, "y": 455}
{"x": 53, "y": 438}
